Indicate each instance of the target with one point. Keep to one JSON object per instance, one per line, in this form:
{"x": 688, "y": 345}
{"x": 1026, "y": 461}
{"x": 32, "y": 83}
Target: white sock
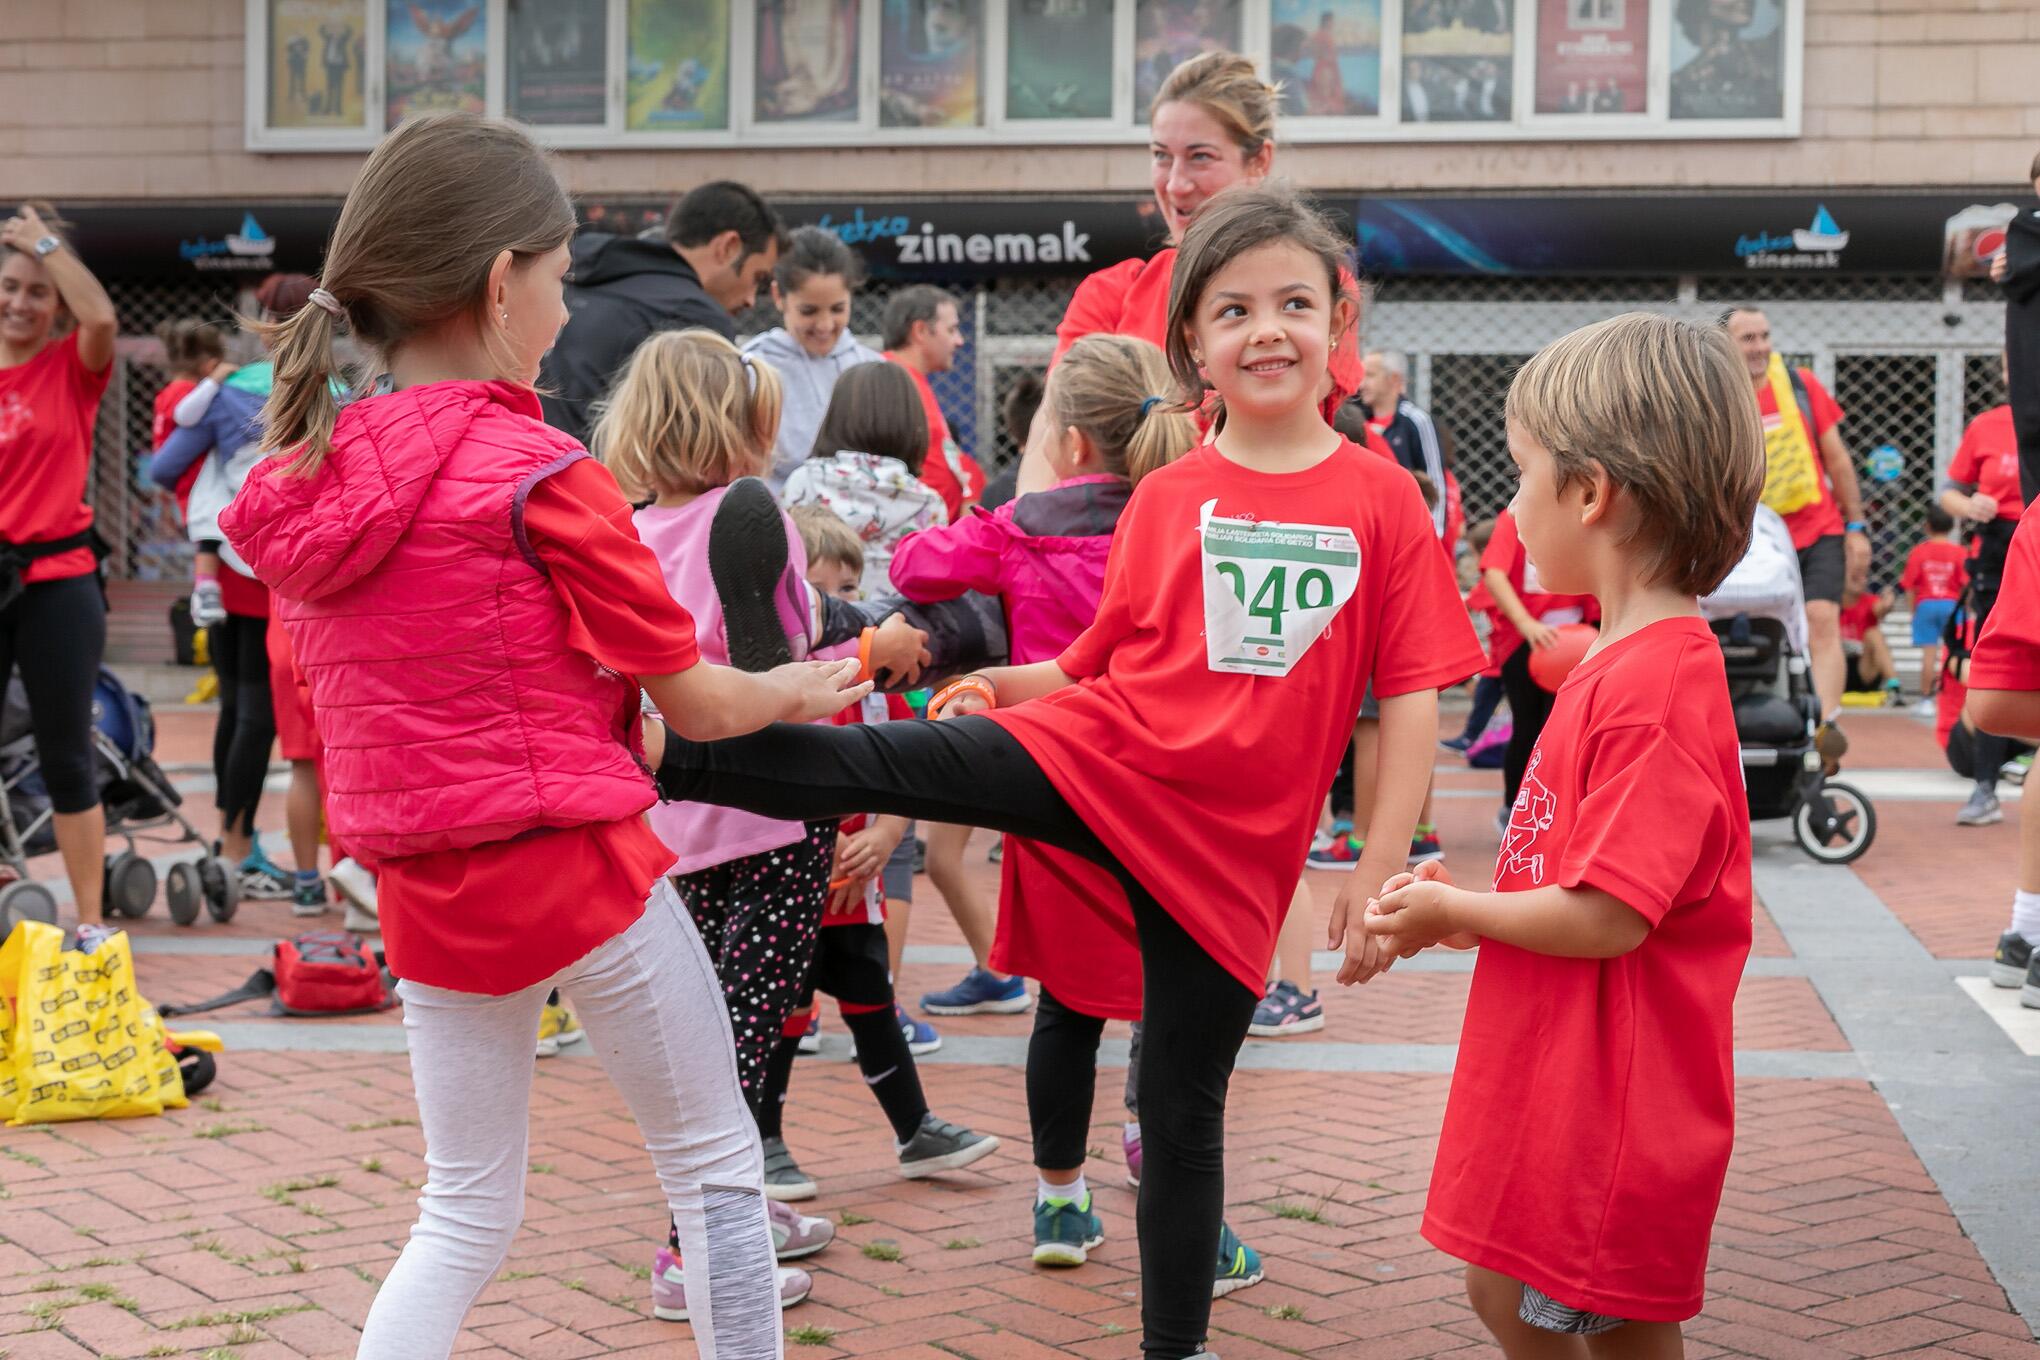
{"x": 2026, "y": 915}
{"x": 1074, "y": 1192}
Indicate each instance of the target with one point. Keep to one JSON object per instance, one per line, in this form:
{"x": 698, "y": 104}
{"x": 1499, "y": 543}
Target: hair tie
{"x": 326, "y": 302}
{"x": 1149, "y": 405}
{"x": 750, "y": 372}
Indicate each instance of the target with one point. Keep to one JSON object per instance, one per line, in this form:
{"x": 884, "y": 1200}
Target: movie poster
{"x": 1327, "y": 56}
{"x": 316, "y": 49}
{"x": 928, "y": 62}
{"x": 436, "y": 57}
{"x": 1728, "y": 59}
{"x": 1459, "y": 61}
{"x": 558, "y": 62}
{"x": 679, "y": 66}
{"x": 1167, "y": 33}
{"x": 1058, "y": 58}
{"x": 807, "y": 61}
{"x": 1593, "y": 56}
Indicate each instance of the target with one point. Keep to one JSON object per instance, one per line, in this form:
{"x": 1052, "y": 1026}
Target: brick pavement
{"x": 256, "y": 1223}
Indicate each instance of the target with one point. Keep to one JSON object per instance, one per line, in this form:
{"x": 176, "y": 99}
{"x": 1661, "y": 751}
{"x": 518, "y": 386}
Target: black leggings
{"x": 1529, "y": 707}
{"x": 247, "y": 724}
{"x": 969, "y": 771}
{"x": 56, "y": 632}
{"x": 851, "y": 964}
{"x": 1990, "y": 751}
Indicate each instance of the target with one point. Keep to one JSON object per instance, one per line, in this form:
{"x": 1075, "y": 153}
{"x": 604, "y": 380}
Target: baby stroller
{"x": 1759, "y": 617}
{"x": 141, "y": 805}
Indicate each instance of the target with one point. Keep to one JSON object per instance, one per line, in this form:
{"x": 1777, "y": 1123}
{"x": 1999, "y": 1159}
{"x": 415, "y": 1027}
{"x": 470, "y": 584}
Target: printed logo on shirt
{"x": 1530, "y": 816}
{"x": 17, "y": 417}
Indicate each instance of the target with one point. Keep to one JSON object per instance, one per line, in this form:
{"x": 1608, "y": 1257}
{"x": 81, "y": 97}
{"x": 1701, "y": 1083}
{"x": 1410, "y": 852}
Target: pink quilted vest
{"x": 452, "y": 708}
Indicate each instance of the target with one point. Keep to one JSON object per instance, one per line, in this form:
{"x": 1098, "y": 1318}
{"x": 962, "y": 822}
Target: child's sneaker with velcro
{"x": 669, "y": 1286}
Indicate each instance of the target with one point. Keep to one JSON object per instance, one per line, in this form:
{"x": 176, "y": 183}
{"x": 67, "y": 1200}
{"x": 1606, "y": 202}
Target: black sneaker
{"x": 939, "y": 1145}
{"x": 2011, "y": 961}
{"x": 2029, "y": 995}
{"x": 747, "y": 561}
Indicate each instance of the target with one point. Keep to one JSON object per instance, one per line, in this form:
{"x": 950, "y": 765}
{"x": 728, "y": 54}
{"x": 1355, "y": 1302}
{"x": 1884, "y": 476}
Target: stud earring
{"x": 504, "y": 317}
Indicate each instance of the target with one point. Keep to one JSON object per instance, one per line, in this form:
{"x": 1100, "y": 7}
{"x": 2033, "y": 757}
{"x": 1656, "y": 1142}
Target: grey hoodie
{"x": 807, "y": 381}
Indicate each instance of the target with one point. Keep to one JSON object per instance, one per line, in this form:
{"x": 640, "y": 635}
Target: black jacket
{"x": 624, "y": 289}
{"x": 2022, "y": 341}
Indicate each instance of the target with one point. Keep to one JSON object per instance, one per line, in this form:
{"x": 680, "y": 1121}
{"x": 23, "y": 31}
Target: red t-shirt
{"x": 1506, "y": 554}
{"x": 945, "y": 459}
{"x": 1151, "y": 735}
{"x": 1859, "y": 618}
{"x": 503, "y": 916}
{"x": 1988, "y": 459}
{"x": 2007, "y": 655}
{"x": 164, "y": 421}
{"x": 1935, "y": 569}
{"x": 47, "y": 409}
{"x": 1605, "y": 1199}
{"x": 1816, "y": 521}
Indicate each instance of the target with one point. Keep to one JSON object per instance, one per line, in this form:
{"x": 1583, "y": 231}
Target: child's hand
{"x": 846, "y": 895}
{"x": 1983, "y": 509}
{"x": 818, "y": 689}
{"x": 1540, "y": 635}
{"x": 1430, "y": 871}
{"x": 1365, "y": 955}
{"x": 862, "y": 854}
{"x": 1416, "y": 916}
{"x": 899, "y": 651}
{"x": 966, "y": 702}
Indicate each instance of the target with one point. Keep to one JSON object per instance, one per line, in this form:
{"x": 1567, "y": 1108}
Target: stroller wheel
{"x": 222, "y": 888}
{"x": 26, "y": 902}
{"x": 1836, "y": 824}
{"x": 182, "y": 891}
{"x": 130, "y": 884}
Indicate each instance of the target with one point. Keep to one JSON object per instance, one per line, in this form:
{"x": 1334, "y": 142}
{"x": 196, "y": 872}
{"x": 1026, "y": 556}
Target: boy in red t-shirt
{"x": 1932, "y": 581}
{"x": 1609, "y": 959}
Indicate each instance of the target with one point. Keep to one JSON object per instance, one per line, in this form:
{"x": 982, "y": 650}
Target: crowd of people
{"x": 588, "y": 633}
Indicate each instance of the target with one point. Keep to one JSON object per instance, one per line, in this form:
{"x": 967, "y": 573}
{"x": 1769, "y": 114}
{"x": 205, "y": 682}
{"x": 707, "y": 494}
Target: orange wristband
{"x": 973, "y": 682}
{"x": 864, "y": 654}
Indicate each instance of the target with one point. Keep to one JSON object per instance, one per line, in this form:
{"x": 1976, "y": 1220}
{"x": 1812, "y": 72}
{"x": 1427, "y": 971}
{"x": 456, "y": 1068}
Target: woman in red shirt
{"x": 52, "y": 612}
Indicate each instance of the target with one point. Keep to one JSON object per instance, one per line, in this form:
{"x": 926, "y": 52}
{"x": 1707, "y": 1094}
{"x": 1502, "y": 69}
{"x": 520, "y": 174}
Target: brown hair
{"x": 1112, "y": 388}
{"x": 690, "y": 413}
{"x": 52, "y": 223}
{"x": 189, "y": 342}
{"x": 1663, "y": 407}
{"x": 281, "y": 296}
{"x": 826, "y": 537}
{"x": 1226, "y": 86}
{"x": 1481, "y": 530}
{"x": 435, "y": 204}
{"x": 2034, "y": 171}
{"x": 875, "y": 408}
{"x": 1233, "y": 223}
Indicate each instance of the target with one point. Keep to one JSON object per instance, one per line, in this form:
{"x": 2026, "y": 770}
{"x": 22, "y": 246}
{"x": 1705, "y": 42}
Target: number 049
{"x": 1272, "y": 598}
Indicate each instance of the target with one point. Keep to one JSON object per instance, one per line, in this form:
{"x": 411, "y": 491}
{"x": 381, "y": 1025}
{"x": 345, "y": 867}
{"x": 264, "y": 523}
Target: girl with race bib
{"x": 1254, "y": 587}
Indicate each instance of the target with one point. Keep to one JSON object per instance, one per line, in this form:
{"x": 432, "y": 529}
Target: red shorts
{"x": 297, "y": 737}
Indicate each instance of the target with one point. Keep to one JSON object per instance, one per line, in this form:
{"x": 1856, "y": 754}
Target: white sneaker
{"x": 208, "y": 607}
{"x": 1929, "y": 708}
{"x": 356, "y": 887}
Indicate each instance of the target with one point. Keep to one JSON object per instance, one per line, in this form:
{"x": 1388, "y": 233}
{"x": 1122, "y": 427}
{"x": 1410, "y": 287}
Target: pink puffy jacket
{"x": 452, "y": 710}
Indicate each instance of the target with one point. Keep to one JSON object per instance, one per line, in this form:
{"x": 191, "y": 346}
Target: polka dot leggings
{"x": 758, "y": 916}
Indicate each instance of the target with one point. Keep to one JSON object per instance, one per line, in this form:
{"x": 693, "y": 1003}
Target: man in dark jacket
{"x": 720, "y": 245}
{"x": 2017, "y": 267}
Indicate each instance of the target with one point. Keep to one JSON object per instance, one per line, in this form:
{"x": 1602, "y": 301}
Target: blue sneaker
{"x": 982, "y": 992}
{"x": 263, "y": 880}
{"x": 1459, "y": 743}
{"x": 1239, "y": 1265}
{"x": 920, "y": 1035}
{"x": 1065, "y": 1231}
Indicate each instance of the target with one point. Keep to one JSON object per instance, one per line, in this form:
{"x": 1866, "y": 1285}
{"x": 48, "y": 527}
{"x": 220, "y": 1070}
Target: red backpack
{"x": 327, "y": 972}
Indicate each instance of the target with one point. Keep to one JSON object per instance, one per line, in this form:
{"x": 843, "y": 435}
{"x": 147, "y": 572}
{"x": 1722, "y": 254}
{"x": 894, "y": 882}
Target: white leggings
{"x": 653, "y": 1009}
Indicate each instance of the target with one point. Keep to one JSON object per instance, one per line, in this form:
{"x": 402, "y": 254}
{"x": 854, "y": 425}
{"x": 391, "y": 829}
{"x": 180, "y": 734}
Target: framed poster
{"x": 1058, "y": 59}
{"x": 1167, "y": 33}
{"x": 806, "y": 61}
{"x": 1458, "y": 61}
{"x": 678, "y": 57}
{"x": 1326, "y": 54}
{"x": 1728, "y": 59}
{"x": 929, "y": 57}
{"x": 557, "y": 62}
{"x": 317, "y": 51}
{"x": 1593, "y": 56}
{"x": 435, "y": 57}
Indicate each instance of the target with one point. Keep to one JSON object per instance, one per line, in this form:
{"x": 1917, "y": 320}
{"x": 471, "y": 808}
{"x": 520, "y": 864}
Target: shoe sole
{"x": 2005, "y": 975}
{"x": 360, "y": 922}
{"x": 548, "y": 1048}
{"x": 1067, "y": 1253}
{"x": 950, "y": 1161}
{"x": 2029, "y": 997}
{"x": 1344, "y": 866}
{"x": 808, "y": 1050}
{"x": 306, "y": 913}
{"x": 1012, "y": 1006}
{"x": 1233, "y": 1284}
{"x": 1310, "y": 1025}
{"x": 791, "y": 1193}
{"x": 918, "y": 1050}
{"x": 1132, "y": 1181}
{"x": 680, "y": 1314}
{"x": 801, "y": 1253}
{"x": 263, "y": 892}
{"x": 747, "y": 561}
{"x": 1992, "y": 820}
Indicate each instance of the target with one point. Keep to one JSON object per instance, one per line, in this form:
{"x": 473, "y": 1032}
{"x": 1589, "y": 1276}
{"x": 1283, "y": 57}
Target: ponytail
{"x": 1106, "y": 386}
{"x": 1162, "y": 436}
{"x": 301, "y": 408}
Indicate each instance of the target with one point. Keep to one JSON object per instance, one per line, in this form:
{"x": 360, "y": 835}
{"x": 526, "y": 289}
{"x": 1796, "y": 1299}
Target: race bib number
{"x": 1271, "y": 589}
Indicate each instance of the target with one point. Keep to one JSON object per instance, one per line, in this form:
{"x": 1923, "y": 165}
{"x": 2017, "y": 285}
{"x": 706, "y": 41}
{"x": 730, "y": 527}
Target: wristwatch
{"x": 48, "y": 245}
{"x": 1856, "y": 526}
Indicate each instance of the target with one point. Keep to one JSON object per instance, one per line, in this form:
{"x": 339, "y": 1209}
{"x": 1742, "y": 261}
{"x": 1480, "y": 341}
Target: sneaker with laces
{"x": 556, "y": 1029}
{"x": 1341, "y": 826}
{"x": 1129, "y": 1143}
{"x": 356, "y": 886}
{"x": 2010, "y": 960}
{"x": 669, "y": 1286}
{"x": 2015, "y": 770}
{"x": 208, "y": 605}
{"x": 308, "y": 897}
{"x": 795, "y": 1234}
{"x": 1286, "y": 1009}
{"x": 1424, "y": 846}
{"x": 263, "y": 881}
{"x": 1981, "y": 810}
{"x": 939, "y": 1146}
{"x": 784, "y": 1180}
{"x": 811, "y": 1038}
{"x": 1928, "y": 708}
{"x": 1458, "y": 744}
{"x": 920, "y": 1035}
{"x": 982, "y": 992}
{"x": 1341, "y": 856}
{"x": 1239, "y": 1265}
{"x": 2029, "y": 994}
{"x": 1065, "y": 1231}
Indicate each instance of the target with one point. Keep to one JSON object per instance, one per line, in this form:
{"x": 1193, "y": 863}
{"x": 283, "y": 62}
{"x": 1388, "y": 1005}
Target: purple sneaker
{"x": 795, "y": 1234}
{"x": 669, "y": 1286}
{"x": 1129, "y": 1140}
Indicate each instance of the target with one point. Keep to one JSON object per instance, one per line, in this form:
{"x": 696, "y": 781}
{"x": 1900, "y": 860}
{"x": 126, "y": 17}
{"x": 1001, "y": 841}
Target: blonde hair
{"x": 1226, "y": 86}
{"x": 437, "y": 201}
{"x": 826, "y": 537}
{"x": 1663, "y": 407}
{"x": 690, "y": 413}
{"x": 1114, "y": 388}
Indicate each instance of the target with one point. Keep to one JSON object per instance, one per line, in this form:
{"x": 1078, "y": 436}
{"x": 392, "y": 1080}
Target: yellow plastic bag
{"x": 77, "y": 1041}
